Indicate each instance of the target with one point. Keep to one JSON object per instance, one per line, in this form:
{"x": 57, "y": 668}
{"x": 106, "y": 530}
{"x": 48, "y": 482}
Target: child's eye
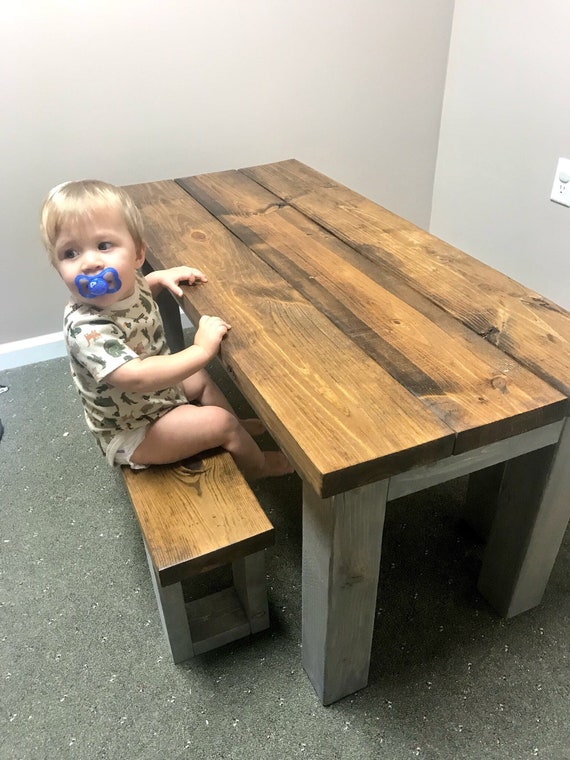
{"x": 69, "y": 253}
{"x": 105, "y": 245}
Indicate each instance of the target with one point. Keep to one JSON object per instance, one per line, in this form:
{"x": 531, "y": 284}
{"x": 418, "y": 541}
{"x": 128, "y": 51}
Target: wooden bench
{"x": 196, "y": 516}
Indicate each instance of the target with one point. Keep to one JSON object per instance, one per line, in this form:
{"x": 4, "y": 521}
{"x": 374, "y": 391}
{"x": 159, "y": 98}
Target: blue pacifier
{"x": 107, "y": 281}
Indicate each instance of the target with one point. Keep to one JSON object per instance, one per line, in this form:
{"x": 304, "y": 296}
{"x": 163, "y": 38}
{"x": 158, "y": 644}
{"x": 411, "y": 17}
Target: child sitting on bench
{"x": 144, "y": 405}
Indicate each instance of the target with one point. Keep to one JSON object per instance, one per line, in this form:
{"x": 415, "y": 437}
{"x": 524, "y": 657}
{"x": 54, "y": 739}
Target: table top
{"x": 367, "y": 345}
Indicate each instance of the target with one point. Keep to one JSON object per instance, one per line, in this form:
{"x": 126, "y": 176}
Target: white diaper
{"x": 121, "y": 448}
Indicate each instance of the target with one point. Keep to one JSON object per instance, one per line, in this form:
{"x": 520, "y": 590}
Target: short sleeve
{"x": 98, "y": 347}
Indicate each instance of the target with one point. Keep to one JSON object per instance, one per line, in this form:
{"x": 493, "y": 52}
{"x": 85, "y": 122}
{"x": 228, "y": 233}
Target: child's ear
{"x": 141, "y": 256}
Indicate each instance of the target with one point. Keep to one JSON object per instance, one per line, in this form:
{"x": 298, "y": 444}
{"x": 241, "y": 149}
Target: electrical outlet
{"x": 561, "y": 187}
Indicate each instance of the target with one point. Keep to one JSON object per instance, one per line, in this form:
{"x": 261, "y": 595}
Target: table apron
{"x": 463, "y": 464}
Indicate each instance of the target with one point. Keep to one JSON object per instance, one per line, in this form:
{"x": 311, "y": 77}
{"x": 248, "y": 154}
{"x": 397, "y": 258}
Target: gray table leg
{"x": 532, "y": 514}
{"x": 342, "y": 542}
{"x": 482, "y": 499}
{"x": 170, "y": 313}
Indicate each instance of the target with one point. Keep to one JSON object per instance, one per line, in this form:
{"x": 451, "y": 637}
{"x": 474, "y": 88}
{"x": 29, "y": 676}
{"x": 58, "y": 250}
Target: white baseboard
{"x": 40, "y": 349}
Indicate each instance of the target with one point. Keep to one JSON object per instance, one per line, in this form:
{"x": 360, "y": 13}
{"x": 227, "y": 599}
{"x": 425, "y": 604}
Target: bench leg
{"x": 532, "y": 515}
{"x": 251, "y": 587}
{"x": 342, "y": 542}
{"x": 217, "y": 619}
{"x": 170, "y": 601}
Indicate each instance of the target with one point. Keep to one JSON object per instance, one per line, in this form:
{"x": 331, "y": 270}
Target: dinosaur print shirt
{"x": 99, "y": 341}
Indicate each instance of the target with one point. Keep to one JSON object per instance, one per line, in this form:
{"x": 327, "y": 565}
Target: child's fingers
{"x": 187, "y": 276}
{"x": 206, "y": 321}
{"x": 195, "y": 274}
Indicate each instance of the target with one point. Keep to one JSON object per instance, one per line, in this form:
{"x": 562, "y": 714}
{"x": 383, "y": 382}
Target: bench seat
{"x": 195, "y": 516}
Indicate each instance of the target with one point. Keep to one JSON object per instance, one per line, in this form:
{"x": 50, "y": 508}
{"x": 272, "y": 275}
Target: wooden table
{"x": 382, "y": 361}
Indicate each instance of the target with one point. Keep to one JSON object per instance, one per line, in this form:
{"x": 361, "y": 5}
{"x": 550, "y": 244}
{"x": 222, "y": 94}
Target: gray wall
{"x": 506, "y": 120}
{"x": 136, "y": 90}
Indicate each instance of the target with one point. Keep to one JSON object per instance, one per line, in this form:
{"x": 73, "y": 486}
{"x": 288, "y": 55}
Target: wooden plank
{"x": 188, "y": 521}
{"x": 173, "y": 616}
{"x": 293, "y": 365}
{"x": 216, "y": 620}
{"x": 426, "y": 476}
{"x": 251, "y": 588}
{"x": 342, "y": 541}
{"x": 533, "y": 511}
{"x": 460, "y": 377}
{"x": 481, "y": 500}
{"x": 523, "y": 324}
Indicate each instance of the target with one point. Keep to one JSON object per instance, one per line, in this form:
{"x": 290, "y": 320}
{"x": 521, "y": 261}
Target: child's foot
{"x": 253, "y": 426}
{"x": 276, "y": 464}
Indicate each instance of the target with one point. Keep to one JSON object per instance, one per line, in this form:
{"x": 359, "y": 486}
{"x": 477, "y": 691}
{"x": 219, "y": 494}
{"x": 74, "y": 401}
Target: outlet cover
{"x": 561, "y": 187}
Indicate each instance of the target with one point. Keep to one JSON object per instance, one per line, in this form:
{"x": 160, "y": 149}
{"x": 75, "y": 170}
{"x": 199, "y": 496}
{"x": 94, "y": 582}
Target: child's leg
{"x": 190, "y": 429}
{"x": 201, "y": 388}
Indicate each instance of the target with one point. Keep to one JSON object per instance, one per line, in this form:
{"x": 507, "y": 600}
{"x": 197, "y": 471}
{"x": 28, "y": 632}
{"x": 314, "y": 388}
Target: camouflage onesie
{"x": 98, "y": 341}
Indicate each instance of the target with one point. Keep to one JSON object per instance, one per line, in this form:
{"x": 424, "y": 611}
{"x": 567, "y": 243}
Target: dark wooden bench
{"x": 196, "y": 516}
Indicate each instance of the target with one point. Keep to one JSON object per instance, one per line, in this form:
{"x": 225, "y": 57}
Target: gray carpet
{"x": 85, "y": 669}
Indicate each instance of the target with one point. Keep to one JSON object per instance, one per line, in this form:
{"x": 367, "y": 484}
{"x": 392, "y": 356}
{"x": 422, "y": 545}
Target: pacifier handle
{"x": 106, "y": 281}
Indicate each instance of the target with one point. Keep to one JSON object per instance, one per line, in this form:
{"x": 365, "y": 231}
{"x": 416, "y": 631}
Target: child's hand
{"x": 169, "y": 278}
{"x": 210, "y": 333}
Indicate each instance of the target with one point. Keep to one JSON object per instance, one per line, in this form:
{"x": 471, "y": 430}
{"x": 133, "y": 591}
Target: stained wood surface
{"x": 197, "y": 516}
{"x": 468, "y": 384}
{"x": 366, "y": 345}
{"x": 339, "y": 416}
{"x": 523, "y": 324}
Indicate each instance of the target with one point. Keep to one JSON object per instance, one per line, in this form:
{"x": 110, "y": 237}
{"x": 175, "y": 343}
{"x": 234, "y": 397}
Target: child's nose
{"x": 91, "y": 260}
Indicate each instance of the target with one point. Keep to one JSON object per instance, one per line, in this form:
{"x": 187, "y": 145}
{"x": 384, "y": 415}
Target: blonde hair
{"x": 71, "y": 201}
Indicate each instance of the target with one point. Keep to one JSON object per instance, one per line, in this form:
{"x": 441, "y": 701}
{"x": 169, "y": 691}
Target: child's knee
{"x": 222, "y": 420}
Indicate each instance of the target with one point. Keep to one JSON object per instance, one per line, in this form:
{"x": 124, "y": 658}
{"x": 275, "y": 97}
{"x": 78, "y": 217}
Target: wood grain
{"x": 382, "y": 361}
{"x": 342, "y": 419}
{"x": 470, "y": 385}
{"x": 522, "y": 323}
{"x": 197, "y": 516}
{"x": 533, "y": 510}
{"x": 342, "y": 542}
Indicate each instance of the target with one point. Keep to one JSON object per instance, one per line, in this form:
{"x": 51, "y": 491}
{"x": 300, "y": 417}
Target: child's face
{"x": 93, "y": 244}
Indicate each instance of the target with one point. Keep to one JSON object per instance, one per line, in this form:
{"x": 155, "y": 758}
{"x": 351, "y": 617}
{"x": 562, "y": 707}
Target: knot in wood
{"x": 499, "y": 383}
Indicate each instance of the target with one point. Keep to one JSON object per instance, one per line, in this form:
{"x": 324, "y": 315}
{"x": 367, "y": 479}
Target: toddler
{"x": 144, "y": 405}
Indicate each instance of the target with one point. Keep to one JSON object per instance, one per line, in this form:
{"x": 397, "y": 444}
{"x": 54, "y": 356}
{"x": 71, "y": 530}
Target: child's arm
{"x": 157, "y": 372}
{"x": 169, "y": 278}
